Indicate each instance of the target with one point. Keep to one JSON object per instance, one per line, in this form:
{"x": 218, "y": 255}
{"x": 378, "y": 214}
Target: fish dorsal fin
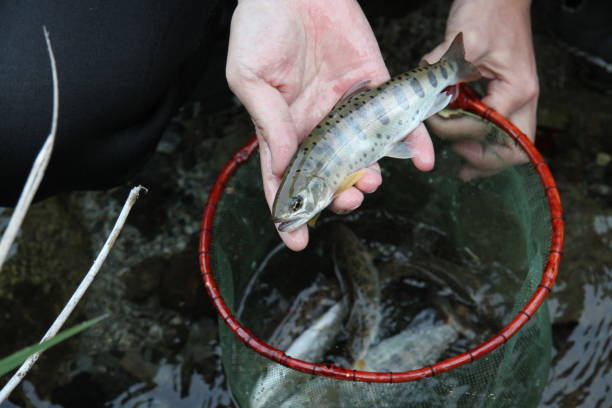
{"x": 349, "y": 181}
{"x": 357, "y": 88}
{"x": 400, "y": 150}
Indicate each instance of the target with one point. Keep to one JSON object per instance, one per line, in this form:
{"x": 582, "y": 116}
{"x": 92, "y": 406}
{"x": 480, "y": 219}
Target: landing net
{"x": 463, "y": 270}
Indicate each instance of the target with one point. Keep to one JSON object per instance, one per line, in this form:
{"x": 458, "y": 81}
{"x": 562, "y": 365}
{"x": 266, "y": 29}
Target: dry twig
{"x": 29, "y": 190}
{"x": 38, "y": 169}
{"x": 78, "y": 294}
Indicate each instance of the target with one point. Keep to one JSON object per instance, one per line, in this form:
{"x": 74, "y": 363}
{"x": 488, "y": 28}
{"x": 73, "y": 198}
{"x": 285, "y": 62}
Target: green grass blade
{"x": 14, "y": 360}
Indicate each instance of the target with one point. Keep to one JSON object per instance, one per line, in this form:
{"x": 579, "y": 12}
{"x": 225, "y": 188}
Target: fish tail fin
{"x": 466, "y": 71}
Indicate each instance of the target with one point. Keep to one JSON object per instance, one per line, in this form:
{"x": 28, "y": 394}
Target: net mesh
{"x": 488, "y": 239}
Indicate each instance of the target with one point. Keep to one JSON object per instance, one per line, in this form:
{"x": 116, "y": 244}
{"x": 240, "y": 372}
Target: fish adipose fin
{"x": 466, "y": 71}
{"x": 400, "y": 150}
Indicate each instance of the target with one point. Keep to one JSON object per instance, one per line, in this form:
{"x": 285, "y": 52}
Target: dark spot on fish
{"x": 327, "y": 174}
{"x": 378, "y": 135}
{"x": 388, "y": 137}
{"x": 305, "y": 149}
{"x": 400, "y": 122}
{"x": 417, "y": 88}
{"x": 365, "y": 155}
{"x": 327, "y": 123}
{"x": 443, "y": 72}
{"x": 432, "y": 79}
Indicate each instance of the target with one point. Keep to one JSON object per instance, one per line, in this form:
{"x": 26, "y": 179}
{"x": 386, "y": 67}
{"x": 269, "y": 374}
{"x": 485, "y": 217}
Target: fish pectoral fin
{"x": 441, "y": 102}
{"x": 349, "y": 181}
{"x": 357, "y": 88}
{"x": 400, "y": 150}
{"x": 312, "y": 222}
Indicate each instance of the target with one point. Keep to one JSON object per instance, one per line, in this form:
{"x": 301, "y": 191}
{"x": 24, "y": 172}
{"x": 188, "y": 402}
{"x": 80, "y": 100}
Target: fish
{"x": 365, "y": 126}
{"x": 355, "y": 265}
{"x": 419, "y": 344}
{"x": 309, "y": 303}
{"x": 278, "y": 382}
{"x": 358, "y": 278}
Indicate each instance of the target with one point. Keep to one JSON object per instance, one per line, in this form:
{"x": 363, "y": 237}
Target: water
{"x": 582, "y": 301}
{"x": 152, "y": 287}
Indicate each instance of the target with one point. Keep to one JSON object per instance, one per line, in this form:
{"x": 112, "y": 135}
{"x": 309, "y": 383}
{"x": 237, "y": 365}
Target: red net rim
{"x": 467, "y": 100}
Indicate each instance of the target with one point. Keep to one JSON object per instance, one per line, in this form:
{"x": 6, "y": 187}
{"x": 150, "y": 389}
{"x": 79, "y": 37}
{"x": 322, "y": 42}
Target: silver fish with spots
{"x": 361, "y": 129}
{"x": 278, "y": 382}
{"x": 353, "y": 261}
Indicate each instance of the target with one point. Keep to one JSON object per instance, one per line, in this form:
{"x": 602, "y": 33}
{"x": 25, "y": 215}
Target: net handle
{"x": 466, "y": 99}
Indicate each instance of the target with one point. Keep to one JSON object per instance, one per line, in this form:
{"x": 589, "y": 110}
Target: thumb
{"x": 435, "y": 54}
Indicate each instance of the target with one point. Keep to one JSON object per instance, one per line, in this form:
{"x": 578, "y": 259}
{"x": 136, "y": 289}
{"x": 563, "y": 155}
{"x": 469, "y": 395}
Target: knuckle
{"x": 531, "y": 88}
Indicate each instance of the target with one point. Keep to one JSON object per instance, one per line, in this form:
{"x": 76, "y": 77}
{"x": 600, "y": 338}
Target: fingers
{"x": 352, "y": 197}
{"x": 371, "y": 179}
{"x": 458, "y": 127}
{"x": 273, "y": 122}
{"x": 489, "y": 157}
{"x": 517, "y": 100}
{"x": 422, "y": 147}
{"x": 347, "y": 201}
{"x": 277, "y": 139}
{"x": 295, "y": 240}
{"x": 467, "y": 173}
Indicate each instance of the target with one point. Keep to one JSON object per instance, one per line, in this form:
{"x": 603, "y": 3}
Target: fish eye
{"x": 296, "y": 203}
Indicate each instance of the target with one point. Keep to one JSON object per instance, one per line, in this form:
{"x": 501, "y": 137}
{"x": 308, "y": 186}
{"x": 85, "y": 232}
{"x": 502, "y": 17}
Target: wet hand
{"x": 497, "y": 38}
{"x": 289, "y": 62}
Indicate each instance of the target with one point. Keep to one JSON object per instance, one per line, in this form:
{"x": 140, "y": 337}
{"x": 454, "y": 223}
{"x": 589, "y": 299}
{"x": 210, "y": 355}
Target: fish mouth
{"x": 285, "y": 225}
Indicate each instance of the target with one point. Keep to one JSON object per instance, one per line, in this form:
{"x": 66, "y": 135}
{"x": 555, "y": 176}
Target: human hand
{"x": 289, "y": 62}
{"x": 497, "y": 39}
